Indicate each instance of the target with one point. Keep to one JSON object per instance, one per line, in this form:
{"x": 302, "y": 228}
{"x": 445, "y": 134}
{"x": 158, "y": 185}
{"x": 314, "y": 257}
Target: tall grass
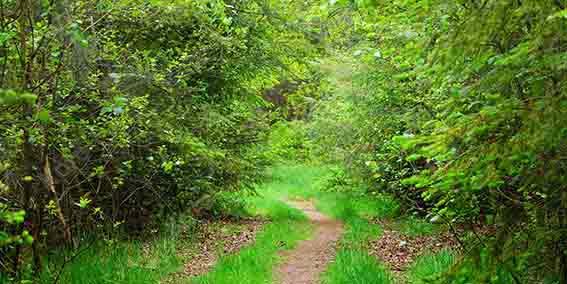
{"x": 429, "y": 267}
{"x": 414, "y": 227}
{"x": 119, "y": 262}
{"x": 356, "y": 267}
{"x": 353, "y": 264}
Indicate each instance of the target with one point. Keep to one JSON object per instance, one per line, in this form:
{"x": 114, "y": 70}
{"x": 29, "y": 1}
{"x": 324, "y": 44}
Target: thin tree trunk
{"x": 51, "y": 187}
{"x": 28, "y": 148}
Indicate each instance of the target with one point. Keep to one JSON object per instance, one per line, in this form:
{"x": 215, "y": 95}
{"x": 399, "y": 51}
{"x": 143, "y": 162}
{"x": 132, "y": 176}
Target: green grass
{"x": 345, "y": 205}
{"x": 356, "y": 267}
{"x": 414, "y": 227}
{"x": 307, "y": 181}
{"x": 255, "y": 264}
{"x": 121, "y": 262}
{"x": 294, "y": 181}
{"x": 129, "y": 262}
{"x": 353, "y": 264}
{"x": 429, "y": 266}
{"x": 355, "y": 208}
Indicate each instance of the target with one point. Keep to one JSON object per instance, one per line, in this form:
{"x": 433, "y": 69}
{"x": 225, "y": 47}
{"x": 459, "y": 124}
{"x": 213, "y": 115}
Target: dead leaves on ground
{"x": 399, "y": 251}
{"x": 213, "y": 240}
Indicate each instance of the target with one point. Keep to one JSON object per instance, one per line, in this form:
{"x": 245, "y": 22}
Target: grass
{"x": 130, "y": 262}
{"x": 255, "y": 264}
{"x": 294, "y": 181}
{"x": 122, "y": 262}
{"x": 345, "y": 205}
{"x": 353, "y": 264}
{"x": 429, "y": 266}
{"x": 413, "y": 227}
{"x": 356, "y": 267}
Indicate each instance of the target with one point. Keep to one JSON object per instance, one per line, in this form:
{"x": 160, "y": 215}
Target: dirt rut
{"x": 308, "y": 260}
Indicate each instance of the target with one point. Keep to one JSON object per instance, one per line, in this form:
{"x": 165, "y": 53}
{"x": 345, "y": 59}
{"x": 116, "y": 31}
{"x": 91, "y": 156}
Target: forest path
{"x": 305, "y": 263}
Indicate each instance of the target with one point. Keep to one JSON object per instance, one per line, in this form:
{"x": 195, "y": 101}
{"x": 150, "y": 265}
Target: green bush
{"x": 288, "y": 141}
{"x": 116, "y": 115}
{"x": 458, "y": 110}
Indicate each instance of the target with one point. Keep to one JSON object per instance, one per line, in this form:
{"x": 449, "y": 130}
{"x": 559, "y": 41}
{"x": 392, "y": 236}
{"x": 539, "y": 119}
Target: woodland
{"x": 223, "y": 141}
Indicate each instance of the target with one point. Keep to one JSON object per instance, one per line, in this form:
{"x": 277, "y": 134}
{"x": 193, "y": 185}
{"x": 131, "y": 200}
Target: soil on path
{"x": 308, "y": 260}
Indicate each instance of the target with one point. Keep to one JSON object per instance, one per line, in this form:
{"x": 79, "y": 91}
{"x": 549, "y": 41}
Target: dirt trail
{"x": 308, "y": 260}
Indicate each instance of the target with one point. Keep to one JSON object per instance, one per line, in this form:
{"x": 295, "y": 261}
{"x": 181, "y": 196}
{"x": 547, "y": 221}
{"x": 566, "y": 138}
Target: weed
{"x": 122, "y": 263}
{"x": 430, "y": 266}
{"x": 414, "y": 227}
{"x": 356, "y": 267}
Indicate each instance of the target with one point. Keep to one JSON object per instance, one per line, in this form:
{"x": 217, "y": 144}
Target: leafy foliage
{"x": 458, "y": 110}
{"x": 117, "y": 114}
{"x": 430, "y": 267}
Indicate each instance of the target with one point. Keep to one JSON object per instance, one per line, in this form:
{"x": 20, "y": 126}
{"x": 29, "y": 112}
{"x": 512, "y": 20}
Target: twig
{"x": 60, "y": 272}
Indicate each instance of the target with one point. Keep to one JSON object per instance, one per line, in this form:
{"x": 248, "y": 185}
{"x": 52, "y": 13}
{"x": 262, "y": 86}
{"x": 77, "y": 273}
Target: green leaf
{"x": 43, "y": 117}
{"x": 5, "y": 37}
{"x": 84, "y": 202}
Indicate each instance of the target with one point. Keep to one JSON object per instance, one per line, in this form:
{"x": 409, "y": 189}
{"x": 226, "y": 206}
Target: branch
{"x": 60, "y": 272}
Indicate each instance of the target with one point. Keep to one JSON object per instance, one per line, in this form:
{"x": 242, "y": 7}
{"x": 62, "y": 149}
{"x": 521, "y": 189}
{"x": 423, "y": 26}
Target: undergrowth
{"x": 132, "y": 262}
{"x": 114, "y": 262}
{"x": 429, "y": 267}
{"x": 413, "y": 227}
{"x": 353, "y": 264}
